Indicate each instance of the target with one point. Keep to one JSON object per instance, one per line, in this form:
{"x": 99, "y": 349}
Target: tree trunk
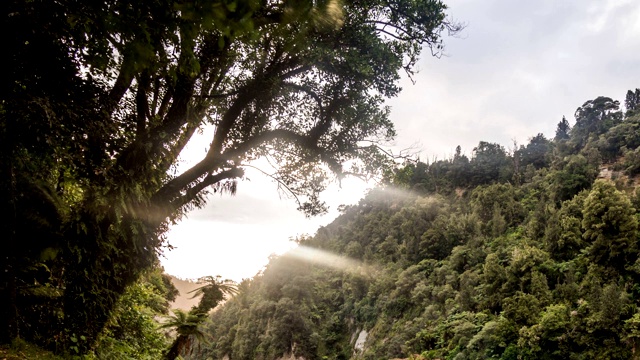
{"x": 101, "y": 265}
{"x": 177, "y": 347}
{"x": 86, "y": 311}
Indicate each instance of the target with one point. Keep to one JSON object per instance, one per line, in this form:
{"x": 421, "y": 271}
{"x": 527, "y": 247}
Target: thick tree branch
{"x": 120, "y": 87}
{"x": 296, "y": 71}
{"x": 308, "y": 91}
{"x": 175, "y": 150}
{"x": 325, "y": 122}
{"x": 303, "y": 141}
{"x": 156, "y": 95}
{"x": 210, "y": 161}
{"x": 142, "y": 107}
{"x": 164, "y": 104}
{"x": 262, "y": 84}
{"x": 193, "y": 191}
{"x": 209, "y": 164}
{"x": 152, "y": 142}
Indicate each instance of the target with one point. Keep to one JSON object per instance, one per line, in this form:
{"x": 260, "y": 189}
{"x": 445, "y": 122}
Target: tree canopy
{"x": 99, "y": 99}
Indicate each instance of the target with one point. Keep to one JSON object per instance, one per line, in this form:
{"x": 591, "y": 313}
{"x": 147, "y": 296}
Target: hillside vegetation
{"x": 519, "y": 254}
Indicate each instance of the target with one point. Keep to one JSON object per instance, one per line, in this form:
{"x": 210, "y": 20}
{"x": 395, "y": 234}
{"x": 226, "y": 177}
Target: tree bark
{"x": 176, "y": 348}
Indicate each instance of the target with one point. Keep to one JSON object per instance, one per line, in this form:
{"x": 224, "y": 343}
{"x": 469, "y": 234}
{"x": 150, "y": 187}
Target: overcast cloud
{"x": 514, "y": 71}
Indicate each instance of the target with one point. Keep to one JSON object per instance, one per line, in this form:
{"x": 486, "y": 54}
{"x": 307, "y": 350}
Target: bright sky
{"x": 233, "y": 236}
{"x": 515, "y": 70}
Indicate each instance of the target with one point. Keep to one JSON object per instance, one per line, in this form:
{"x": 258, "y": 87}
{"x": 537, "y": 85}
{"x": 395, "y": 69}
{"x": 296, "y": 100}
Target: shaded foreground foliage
{"x": 21, "y": 350}
{"x": 504, "y": 255}
{"x": 98, "y": 99}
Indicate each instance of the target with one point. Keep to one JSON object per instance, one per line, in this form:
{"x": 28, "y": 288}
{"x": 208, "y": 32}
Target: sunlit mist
{"x": 329, "y": 259}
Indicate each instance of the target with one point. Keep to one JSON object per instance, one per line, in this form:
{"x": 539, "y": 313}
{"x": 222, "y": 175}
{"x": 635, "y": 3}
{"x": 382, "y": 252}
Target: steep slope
{"x": 503, "y": 256}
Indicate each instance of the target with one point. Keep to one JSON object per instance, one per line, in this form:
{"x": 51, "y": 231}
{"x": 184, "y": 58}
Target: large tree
{"x": 98, "y": 99}
{"x": 562, "y": 130}
{"x": 632, "y": 102}
{"x": 595, "y": 117}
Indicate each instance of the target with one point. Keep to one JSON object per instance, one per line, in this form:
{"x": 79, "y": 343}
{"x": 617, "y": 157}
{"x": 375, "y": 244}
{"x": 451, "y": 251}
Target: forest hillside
{"x": 525, "y": 253}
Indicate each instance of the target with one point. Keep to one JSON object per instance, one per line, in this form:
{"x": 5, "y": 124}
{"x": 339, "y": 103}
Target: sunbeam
{"x": 329, "y": 259}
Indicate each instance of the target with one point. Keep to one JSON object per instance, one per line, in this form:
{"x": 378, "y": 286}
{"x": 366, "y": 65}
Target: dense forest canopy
{"x": 527, "y": 253}
{"x": 98, "y": 99}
